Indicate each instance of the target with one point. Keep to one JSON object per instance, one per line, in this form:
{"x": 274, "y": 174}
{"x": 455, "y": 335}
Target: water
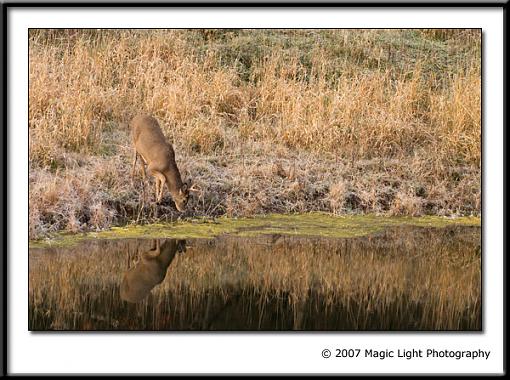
{"x": 404, "y": 278}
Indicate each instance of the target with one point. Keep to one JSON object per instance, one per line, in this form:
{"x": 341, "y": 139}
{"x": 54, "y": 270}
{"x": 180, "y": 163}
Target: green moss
{"x": 310, "y": 224}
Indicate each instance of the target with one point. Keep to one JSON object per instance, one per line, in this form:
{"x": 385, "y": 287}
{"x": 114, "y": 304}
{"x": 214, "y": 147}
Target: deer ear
{"x": 184, "y": 187}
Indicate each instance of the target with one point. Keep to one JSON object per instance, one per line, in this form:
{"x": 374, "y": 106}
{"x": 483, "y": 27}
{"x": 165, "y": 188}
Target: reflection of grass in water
{"x": 402, "y": 279}
{"x": 310, "y": 224}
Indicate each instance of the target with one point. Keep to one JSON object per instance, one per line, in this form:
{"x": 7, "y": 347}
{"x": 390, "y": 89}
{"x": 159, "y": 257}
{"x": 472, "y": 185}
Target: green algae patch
{"x": 310, "y": 224}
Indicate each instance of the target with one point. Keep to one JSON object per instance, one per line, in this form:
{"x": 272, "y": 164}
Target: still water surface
{"x": 404, "y": 278}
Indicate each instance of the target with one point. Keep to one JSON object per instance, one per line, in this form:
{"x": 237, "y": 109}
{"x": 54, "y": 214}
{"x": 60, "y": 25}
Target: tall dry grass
{"x": 265, "y": 120}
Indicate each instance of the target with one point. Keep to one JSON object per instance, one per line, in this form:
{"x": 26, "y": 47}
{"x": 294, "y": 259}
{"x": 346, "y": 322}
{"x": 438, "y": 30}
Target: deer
{"x": 150, "y": 270}
{"x": 159, "y": 156}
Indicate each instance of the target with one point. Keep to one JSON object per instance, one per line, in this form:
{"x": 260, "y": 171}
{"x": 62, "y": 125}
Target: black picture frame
{"x": 8, "y": 5}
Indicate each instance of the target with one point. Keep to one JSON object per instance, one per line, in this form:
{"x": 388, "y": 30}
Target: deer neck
{"x": 168, "y": 250}
{"x": 173, "y": 179}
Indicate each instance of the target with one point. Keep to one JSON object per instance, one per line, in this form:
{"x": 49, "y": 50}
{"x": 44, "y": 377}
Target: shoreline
{"x": 313, "y": 224}
{"x": 96, "y": 192}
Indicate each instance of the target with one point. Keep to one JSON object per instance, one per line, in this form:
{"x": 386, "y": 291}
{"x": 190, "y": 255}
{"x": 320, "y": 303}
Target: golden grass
{"x": 236, "y": 102}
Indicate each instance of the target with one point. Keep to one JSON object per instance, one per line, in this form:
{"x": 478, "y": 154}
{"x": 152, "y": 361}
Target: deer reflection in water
{"x": 150, "y": 270}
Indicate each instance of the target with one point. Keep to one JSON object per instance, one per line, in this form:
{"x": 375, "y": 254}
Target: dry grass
{"x": 264, "y": 120}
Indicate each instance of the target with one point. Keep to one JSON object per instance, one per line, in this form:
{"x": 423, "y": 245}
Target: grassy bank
{"x": 309, "y": 224}
{"x": 264, "y": 121}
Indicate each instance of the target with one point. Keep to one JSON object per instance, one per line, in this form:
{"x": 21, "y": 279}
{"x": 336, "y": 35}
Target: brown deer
{"x": 150, "y": 270}
{"x": 150, "y": 143}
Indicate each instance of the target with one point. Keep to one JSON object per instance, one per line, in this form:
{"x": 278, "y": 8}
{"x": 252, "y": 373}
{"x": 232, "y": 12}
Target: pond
{"x": 398, "y": 278}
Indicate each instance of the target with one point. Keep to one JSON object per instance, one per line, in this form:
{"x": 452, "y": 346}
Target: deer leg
{"x": 133, "y": 169}
{"x": 157, "y": 188}
{"x": 155, "y": 207}
{"x": 160, "y": 183}
{"x": 161, "y": 187}
{"x": 142, "y": 164}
